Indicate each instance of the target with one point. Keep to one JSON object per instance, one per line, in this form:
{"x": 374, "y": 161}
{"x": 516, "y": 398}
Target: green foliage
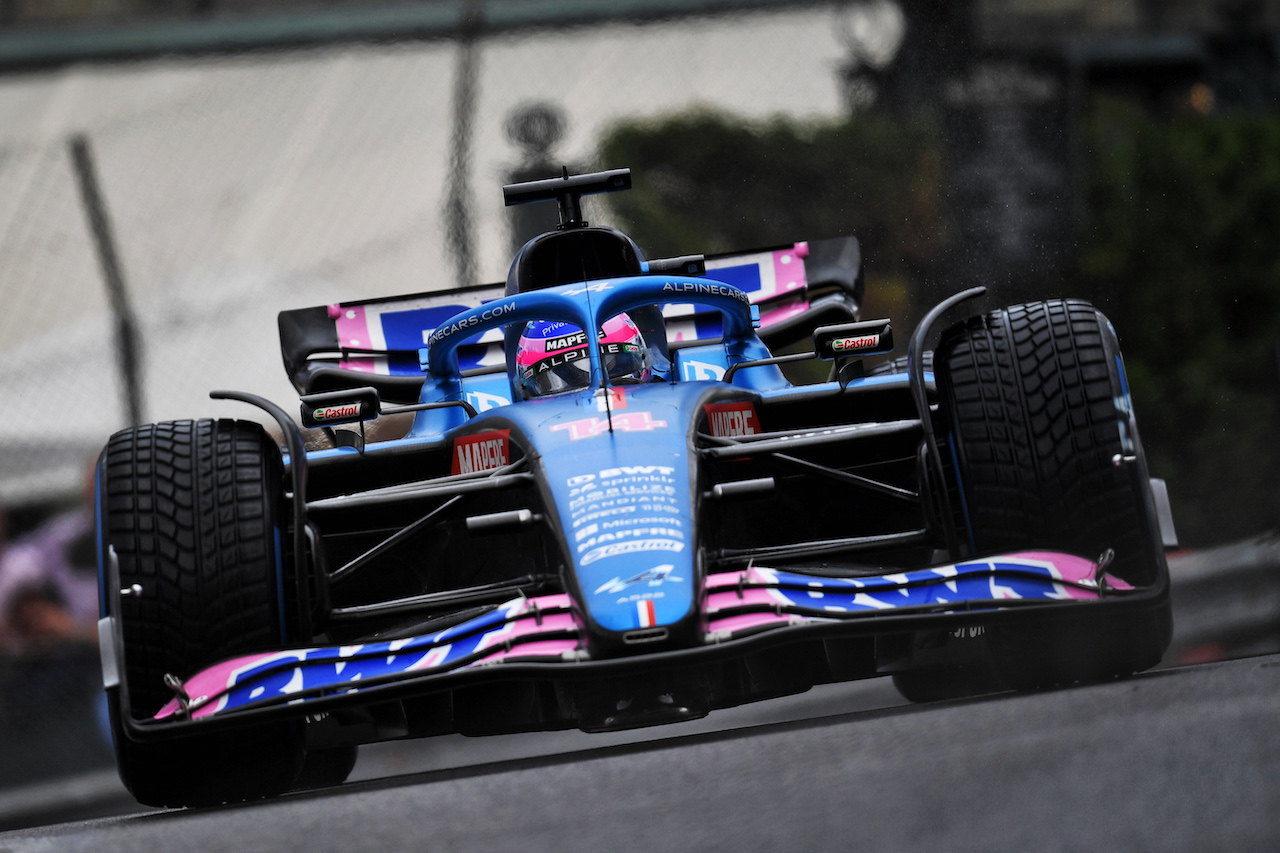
{"x": 710, "y": 182}
{"x": 1182, "y": 250}
{"x": 1180, "y": 246}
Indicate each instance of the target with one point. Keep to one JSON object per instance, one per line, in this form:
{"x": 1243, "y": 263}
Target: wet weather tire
{"x": 901, "y": 365}
{"x": 189, "y": 509}
{"x": 1047, "y": 456}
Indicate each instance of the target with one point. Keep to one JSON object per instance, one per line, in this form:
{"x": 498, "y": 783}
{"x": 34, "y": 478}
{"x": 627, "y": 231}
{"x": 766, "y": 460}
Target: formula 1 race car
{"x": 613, "y": 509}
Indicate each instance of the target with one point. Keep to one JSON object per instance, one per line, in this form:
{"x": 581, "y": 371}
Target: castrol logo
{"x": 330, "y": 413}
{"x": 855, "y": 344}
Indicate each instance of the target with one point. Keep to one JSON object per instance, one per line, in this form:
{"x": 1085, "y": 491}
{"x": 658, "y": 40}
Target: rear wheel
{"x": 189, "y": 508}
{"x": 901, "y": 364}
{"x": 1047, "y": 456}
{"x": 325, "y": 768}
{"x": 937, "y": 683}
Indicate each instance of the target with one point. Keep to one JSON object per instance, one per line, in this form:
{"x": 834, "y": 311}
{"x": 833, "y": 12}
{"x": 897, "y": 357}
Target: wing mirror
{"x": 853, "y": 340}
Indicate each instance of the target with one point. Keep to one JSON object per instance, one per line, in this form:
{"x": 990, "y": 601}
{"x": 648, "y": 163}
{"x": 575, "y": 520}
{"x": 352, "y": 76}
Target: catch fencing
{"x": 240, "y": 185}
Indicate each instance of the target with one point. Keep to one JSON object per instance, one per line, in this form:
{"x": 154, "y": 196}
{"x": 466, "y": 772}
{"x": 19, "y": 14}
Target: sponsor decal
{"x": 565, "y": 342}
{"x": 556, "y": 360}
{"x": 615, "y": 548}
{"x": 695, "y": 371}
{"x": 624, "y": 471}
{"x": 629, "y": 533}
{"x": 483, "y": 402}
{"x": 339, "y": 407}
{"x": 333, "y": 413}
{"x": 605, "y": 513}
{"x": 851, "y": 339}
{"x": 599, "y": 287}
{"x": 700, "y": 289}
{"x": 730, "y": 420}
{"x": 617, "y": 496}
{"x": 623, "y": 422}
{"x": 653, "y": 577}
{"x": 279, "y": 674}
{"x": 483, "y": 451}
{"x": 855, "y": 344}
{"x": 490, "y": 312}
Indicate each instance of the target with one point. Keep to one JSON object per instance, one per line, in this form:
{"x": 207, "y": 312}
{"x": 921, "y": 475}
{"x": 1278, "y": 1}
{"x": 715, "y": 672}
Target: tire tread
{"x": 1035, "y": 422}
{"x": 188, "y": 511}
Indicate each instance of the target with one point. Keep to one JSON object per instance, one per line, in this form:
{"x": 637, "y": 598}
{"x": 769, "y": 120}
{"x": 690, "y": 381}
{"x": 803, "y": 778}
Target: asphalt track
{"x": 1179, "y": 759}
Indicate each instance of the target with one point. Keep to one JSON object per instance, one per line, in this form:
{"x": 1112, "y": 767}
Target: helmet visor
{"x": 567, "y": 370}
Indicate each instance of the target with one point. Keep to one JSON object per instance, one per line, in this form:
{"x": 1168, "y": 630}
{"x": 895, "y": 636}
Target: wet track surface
{"x": 1181, "y": 759}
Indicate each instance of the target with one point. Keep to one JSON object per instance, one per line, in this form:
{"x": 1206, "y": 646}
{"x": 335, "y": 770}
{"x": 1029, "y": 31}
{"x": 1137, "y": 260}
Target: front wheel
{"x": 1040, "y": 430}
{"x": 189, "y": 509}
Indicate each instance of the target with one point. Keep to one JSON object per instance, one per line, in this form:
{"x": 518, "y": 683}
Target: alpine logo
{"x": 653, "y": 577}
{"x": 855, "y": 344}
{"x": 599, "y": 287}
{"x": 483, "y": 451}
{"x": 622, "y": 422}
{"x": 730, "y": 420}
{"x": 333, "y": 413}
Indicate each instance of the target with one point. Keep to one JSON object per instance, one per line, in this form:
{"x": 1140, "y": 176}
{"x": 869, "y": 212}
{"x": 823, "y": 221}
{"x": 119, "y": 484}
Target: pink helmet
{"x": 551, "y": 357}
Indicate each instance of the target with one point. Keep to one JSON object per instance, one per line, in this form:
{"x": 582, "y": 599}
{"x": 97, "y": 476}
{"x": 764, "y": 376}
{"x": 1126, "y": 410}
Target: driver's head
{"x": 551, "y": 357}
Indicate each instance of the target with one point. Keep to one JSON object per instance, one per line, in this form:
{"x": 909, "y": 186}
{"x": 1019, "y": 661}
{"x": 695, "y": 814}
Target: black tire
{"x": 939, "y": 683}
{"x": 190, "y": 509}
{"x": 208, "y": 770}
{"x": 1037, "y": 412}
{"x": 325, "y": 768}
{"x": 899, "y": 365}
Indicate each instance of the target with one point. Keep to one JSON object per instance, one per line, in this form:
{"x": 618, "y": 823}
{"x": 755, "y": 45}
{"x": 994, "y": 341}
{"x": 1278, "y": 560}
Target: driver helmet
{"x": 551, "y": 357}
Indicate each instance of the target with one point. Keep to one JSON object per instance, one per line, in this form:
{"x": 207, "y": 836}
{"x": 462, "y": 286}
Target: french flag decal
{"x": 647, "y": 617}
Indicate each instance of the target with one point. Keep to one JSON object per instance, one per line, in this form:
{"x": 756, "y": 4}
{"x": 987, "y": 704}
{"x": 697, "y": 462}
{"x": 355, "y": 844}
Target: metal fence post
{"x": 128, "y": 344}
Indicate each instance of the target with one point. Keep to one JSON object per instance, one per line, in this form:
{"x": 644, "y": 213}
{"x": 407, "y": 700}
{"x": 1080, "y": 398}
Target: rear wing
{"x": 380, "y": 342}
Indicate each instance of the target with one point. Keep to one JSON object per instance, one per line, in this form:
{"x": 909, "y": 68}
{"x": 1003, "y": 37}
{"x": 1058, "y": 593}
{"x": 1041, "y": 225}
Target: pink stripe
{"x": 726, "y": 600}
{"x": 732, "y": 579}
{"x": 353, "y": 331}
{"x": 526, "y": 625}
{"x": 217, "y": 678}
{"x": 362, "y": 365}
{"x": 542, "y": 648}
{"x": 547, "y": 602}
{"x": 1073, "y": 569}
{"x": 353, "y": 327}
{"x": 220, "y": 676}
{"x": 788, "y": 269}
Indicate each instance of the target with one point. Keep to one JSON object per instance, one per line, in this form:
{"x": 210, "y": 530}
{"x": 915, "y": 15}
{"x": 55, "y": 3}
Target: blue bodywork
{"x": 615, "y": 459}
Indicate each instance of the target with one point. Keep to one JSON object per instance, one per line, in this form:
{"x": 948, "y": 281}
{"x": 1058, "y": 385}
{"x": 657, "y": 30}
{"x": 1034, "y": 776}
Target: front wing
{"x": 739, "y": 606}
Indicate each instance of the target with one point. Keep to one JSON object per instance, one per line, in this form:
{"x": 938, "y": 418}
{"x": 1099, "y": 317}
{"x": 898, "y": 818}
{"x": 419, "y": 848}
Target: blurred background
{"x": 175, "y": 172}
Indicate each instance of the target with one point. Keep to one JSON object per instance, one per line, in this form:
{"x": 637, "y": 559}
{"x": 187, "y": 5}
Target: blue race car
{"x": 610, "y": 507}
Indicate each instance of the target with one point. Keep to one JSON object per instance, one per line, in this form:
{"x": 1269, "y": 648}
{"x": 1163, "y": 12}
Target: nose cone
{"x": 624, "y": 499}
